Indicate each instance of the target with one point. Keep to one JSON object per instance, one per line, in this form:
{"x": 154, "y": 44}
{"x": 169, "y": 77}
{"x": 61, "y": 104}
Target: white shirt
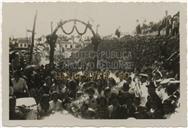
{"x": 144, "y": 93}
{"x": 132, "y": 87}
{"x": 121, "y": 83}
{"x": 162, "y": 94}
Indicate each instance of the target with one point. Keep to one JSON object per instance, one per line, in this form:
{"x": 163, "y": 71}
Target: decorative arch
{"x": 51, "y": 39}
{"x": 87, "y": 26}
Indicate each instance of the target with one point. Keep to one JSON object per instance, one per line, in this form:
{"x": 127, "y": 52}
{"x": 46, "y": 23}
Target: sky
{"x": 17, "y": 17}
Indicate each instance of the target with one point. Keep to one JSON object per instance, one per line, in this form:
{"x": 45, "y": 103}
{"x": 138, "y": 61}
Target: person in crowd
{"x": 107, "y": 94}
{"x": 102, "y": 111}
{"x": 44, "y": 106}
{"x": 154, "y": 103}
{"x": 175, "y": 25}
{"x": 13, "y": 114}
{"x": 123, "y": 93}
{"x": 143, "y": 89}
{"x": 19, "y": 85}
{"x": 171, "y": 103}
{"x": 168, "y": 24}
{"x": 116, "y": 110}
{"x": 84, "y": 111}
{"x": 122, "y": 80}
{"x": 72, "y": 89}
{"x": 82, "y": 82}
{"x": 161, "y": 89}
{"x": 55, "y": 103}
{"x": 45, "y": 88}
{"x": 111, "y": 82}
{"x": 92, "y": 100}
{"x": 138, "y": 27}
{"x": 117, "y": 32}
{"x": 130, "y": 105}
{"x": 34, "y": 83}
{"x": 15, "y": 61}
{"x": 102, "y": 83}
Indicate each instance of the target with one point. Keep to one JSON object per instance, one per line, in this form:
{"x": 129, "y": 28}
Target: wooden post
{"x": 33, "y": 39}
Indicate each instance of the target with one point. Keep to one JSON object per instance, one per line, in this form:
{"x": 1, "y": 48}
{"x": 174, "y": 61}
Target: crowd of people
{"x": 150, "y": 91}
{"x": 170, "y": 24}
{"x": 96, "y": 94}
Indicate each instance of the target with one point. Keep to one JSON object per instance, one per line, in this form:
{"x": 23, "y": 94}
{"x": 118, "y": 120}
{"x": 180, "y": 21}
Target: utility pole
{"x": 33, "y": 38}
{"x": 51, "y": 25}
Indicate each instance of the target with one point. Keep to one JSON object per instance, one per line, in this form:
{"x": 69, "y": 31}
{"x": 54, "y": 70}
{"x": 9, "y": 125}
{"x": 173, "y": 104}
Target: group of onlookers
{"x": 170, "y": 24}
{"x": 97, "y": 94}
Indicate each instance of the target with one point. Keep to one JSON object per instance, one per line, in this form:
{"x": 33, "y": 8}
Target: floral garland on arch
{"x": 75, "y": 27}
{"x": 68, "y": 33}
{"x": 85, "y": 30}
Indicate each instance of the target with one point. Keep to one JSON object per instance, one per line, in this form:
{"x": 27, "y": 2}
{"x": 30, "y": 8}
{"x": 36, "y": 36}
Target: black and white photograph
{"x": 93, "y": 61}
